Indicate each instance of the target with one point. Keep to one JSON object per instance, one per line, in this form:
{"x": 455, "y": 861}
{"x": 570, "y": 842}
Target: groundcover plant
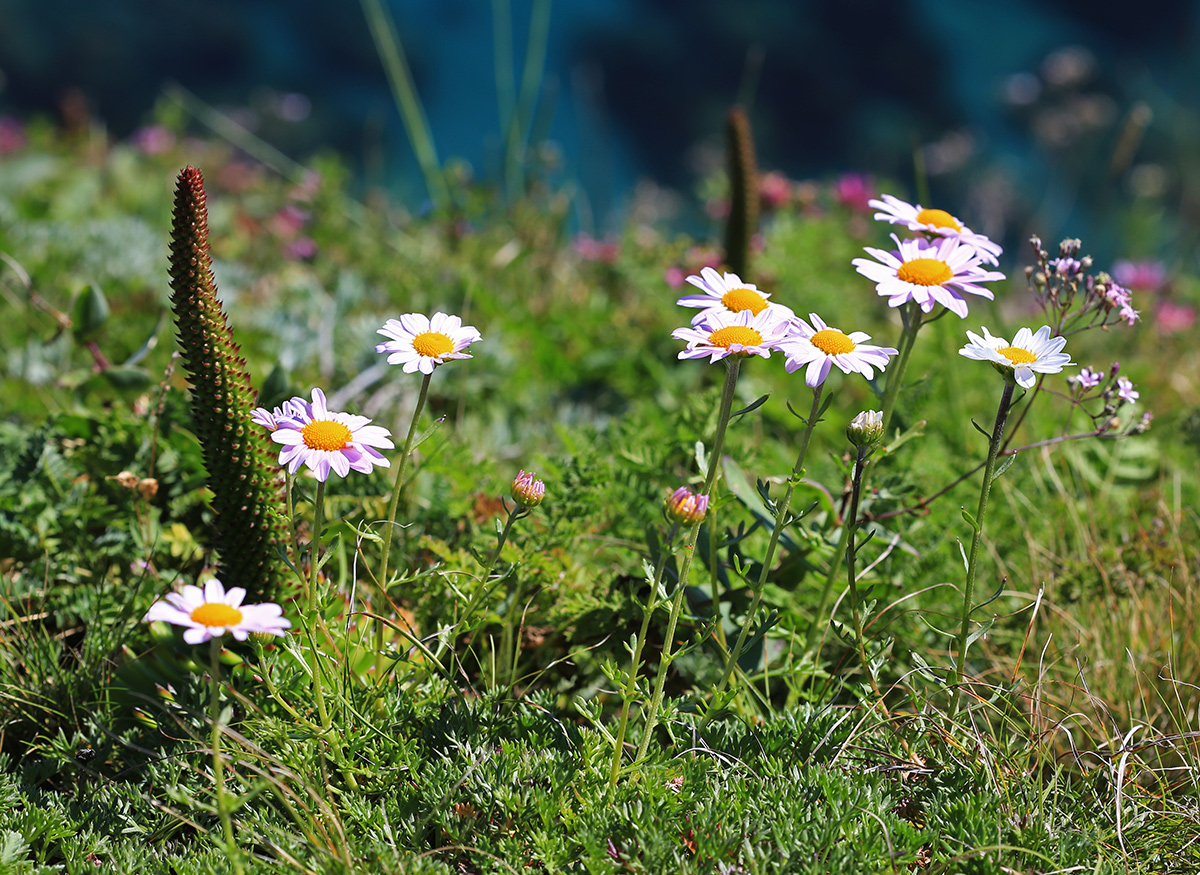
{"x": 793, "y": 568}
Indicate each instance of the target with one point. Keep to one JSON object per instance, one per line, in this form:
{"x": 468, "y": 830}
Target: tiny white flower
{"x": 1029, "y": 353}
{"x": 1087, "y": 378}
{"x": 1125, "y": 390}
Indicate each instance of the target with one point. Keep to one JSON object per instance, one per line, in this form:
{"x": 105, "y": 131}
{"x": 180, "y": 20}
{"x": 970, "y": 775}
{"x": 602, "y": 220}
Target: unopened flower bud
{"x": 685, "y": 507}
{"x": 527, "y": 490}
{"x": 147, "y": 487}
{"x": 866, "y": 429}
{"x": 128, "y": 479}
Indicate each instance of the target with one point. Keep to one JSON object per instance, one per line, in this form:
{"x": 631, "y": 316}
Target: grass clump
{"x": 807, "y": 683}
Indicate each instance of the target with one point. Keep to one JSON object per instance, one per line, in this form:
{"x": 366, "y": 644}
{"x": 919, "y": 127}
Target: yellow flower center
{"x": 433, "y": 344}
{"x": 732, "y": 334}
{"x": 938, "y": 219}
{"x": 738, "y": 300}
{"x": 1017, "y": 356}
{"x": 215, "y": 614}
{"x": 325, "y": 434}
{"x": 832, "y": 342}
{"x": 925, "y": 272}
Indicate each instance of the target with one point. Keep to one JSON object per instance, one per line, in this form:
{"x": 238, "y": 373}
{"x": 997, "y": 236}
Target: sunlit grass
{"x": 486, "y": 741}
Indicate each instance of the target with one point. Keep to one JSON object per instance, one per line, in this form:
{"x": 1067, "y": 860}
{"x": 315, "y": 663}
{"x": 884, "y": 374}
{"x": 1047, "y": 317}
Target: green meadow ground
{"x": 1079, "y": 749}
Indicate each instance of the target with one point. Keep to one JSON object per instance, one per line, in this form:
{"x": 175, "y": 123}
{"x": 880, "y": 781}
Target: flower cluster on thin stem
{"x": 1074, "y": 298}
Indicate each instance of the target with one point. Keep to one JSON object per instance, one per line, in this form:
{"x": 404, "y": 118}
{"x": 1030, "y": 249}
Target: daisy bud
{"x": 685, "y": 507}
{"x": 866, "y": 429}
{"x": 527, "y": 490}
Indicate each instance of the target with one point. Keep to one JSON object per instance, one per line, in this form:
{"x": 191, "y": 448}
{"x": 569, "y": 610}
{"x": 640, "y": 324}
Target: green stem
{"x": 912, "y": 324}
{"x": 390, "y": 525}
{"x": 989, "y": 474}
{"x": 639, "y": 645}
{"x": 290, "y": 479}
{"x": 851, "y": 526}
{"x": 733, "y": 366}
{"x": 781, "y": 521}
{"x": 214, "y": 718}
{"x": 315, "y": 546}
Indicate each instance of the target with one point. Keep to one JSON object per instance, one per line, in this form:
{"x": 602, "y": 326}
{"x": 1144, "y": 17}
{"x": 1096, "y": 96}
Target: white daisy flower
{"x": 269, "y": 419}
{"x": 727, "y": 294}
{"x": 325, "y": 440}
{"x": 928, "y": 273}
{"x": 1028, "y": 354}
{"x": 818, "y": 347}
{"x": 742, "y": 333}
{"x": 930, "y": 221}
{"x": 211, "y": 612}
{"x": 421, "y": 344}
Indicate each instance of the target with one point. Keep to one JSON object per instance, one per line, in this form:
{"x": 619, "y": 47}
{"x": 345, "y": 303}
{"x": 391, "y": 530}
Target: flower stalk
{"x": 214, "y": 718}
{"x": 390, "y": 523}
{"x": 851, "y": 527}
{"x": 989, "y": 475}
{"x": 733, "y": 367}
{"x": 781, "y": 522}
{"x": 630, "y": 689}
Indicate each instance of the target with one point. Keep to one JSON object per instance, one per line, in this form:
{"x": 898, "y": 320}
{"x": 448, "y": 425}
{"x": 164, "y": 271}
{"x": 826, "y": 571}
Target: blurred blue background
{"x": 1063, "y": 115}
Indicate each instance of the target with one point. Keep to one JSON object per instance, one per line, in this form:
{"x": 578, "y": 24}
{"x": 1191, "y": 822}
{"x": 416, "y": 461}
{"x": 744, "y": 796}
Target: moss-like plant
{"x": 743, "y": 191}
{"x": 244, "y": 479}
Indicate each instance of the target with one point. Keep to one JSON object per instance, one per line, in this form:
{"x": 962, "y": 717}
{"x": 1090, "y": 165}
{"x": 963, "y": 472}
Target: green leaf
{"x": 979, "y": 428}
{"x": 1005, "y": 463}
{"x": 917, "y": 430}
{"x": 91, "y": 312}
{"x": 981, "y": 631}
{"x": 966, "y": 515}
{"x": 754, "y": 405}
{"x": 739, "y": 484}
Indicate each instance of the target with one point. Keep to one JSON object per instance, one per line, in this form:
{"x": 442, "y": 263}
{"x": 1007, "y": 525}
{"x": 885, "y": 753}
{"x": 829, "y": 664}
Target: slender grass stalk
{"x": 851, "y": 526}
{"x": 781, "y": 521}
{"x": 733, "y": 365}
{"x": 391, "y": 53}
{"x": 214, "y": 718}
{"x": 520, "y": 123}
{"x": 989, "y": 474}
{"x": 390, "y": 523}
{"x": 639, "y": 646}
